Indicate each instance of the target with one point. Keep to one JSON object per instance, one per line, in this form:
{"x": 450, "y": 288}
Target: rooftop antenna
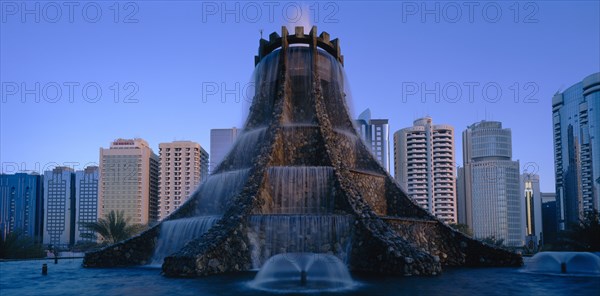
{"x": 261, "y": 33}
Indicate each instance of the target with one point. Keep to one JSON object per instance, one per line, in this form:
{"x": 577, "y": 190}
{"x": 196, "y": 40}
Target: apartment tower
{"x": 183, "y": 166}
{"x": 424, "y": 166}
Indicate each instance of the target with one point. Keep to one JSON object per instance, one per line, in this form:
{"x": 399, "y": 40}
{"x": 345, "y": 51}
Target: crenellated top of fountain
{"x": 322, "y": 41}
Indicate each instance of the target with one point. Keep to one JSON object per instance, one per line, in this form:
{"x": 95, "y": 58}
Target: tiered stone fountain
{"x": 300, "y": 180}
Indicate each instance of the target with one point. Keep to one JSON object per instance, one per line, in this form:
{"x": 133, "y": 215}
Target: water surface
{"x": 69, "y": 278}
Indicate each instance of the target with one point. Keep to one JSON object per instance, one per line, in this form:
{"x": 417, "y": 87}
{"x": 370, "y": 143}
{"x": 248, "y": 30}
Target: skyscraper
{"x": 183, "y": 165}
{"x": 492, "y": 183}
{"x": 461, "y": 203}
{"x": 21, "y": 205}
{"x": 129, "y": 180}
{"x": 549, "y": 222}
{"x": 424, "y": 166}
{"x": 59, "y": 207}
{"x": 531, "y": 205}
{"x": 376, "y": 135}
{"x": 221, "y": 141}
{"x": 576, "y": 126}
{"x": 86, "y": 203}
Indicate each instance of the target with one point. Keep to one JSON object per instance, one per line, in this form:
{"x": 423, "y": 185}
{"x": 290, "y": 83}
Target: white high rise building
{"x": 183, "y": 166}
{"x": 129, "y": 181}
{"x": 59, "y": 207}
{"x": 221, "y": 141}
{"x": 424, "y": 166}
{"x": 492, "y": 187}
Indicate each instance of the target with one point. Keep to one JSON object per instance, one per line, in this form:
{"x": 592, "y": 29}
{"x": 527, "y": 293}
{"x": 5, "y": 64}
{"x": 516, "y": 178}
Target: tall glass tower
{"x": 492, "y": 183}
{"x": 21, "y": 198}
{"x": 576, "y": 127}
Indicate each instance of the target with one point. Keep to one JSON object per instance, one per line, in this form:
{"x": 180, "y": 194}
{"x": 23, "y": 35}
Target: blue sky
{"x": 404, "y": 60}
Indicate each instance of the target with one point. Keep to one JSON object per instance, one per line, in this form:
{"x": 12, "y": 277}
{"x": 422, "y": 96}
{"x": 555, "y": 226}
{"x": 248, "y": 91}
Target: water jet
{"x": 564, "y": 263}
{"x": 303, "y": 273}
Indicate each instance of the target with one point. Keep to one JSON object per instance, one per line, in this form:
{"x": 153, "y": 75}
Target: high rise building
{"x": 461, "y": 203}
{"x": 86, "y": 203}
{"x": 424, "y": 166}
{"x": 183, "y": 165}
{"x": 492, "y": 183}
{"x": 376, "y": 135}
{"x": 129, "y": 181}
{"x": 531, "y": 206}
{"x": 221, "y": 141}
{"x": 576, "y": 123}
{"x": 21, "y": 205}
{"x": 59, "y": 207}
{"x": 549, "y": 222}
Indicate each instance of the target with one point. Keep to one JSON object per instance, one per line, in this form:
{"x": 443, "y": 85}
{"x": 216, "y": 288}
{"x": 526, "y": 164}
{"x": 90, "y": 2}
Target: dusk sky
{"x": 153, "y": 63}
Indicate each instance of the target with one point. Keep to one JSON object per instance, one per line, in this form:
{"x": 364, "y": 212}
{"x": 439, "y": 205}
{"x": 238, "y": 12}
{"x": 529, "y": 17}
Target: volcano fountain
{"x": 299, "y": 181}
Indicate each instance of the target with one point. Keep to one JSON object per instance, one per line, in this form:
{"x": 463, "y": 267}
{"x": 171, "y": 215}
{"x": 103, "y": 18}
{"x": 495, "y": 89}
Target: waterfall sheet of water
{"x": 276, "y": 234}
{"x": 299, "y": 106}
{"x": 296, "y": 190}
{"x": 175, "y": 234}
{"x": 245, "y": 149}
{"x": 257, "y": 111}
{"x": 303, "y": 272}
{"x": 218, "y": 190}
{"x": 300, "y": 125}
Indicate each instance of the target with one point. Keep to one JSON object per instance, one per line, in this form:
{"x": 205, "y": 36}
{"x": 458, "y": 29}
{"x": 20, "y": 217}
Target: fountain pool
{"x": 68, "y": 277}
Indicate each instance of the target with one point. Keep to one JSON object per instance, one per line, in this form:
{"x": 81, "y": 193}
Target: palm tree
{"x": 17, "y": 244}
{"x": 114, "y": 227}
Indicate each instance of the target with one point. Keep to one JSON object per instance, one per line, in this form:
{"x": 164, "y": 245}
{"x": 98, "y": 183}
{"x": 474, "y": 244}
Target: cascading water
{"x": 216, "y": 192}
{"x": 296, "y": 190}
{"x": 244, "y": 149}
{"x": 276, "y": 234}
{"x": 175, "y": 234}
